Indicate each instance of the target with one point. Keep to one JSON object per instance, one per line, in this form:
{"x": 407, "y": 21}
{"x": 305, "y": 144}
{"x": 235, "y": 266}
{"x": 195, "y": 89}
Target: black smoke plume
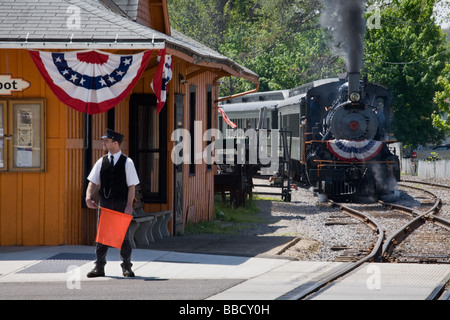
{"x": 345, "y": 18}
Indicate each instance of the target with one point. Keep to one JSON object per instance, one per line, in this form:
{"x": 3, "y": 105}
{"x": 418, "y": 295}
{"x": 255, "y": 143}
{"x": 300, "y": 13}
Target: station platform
{"x": 389, "y": 281}
{"x": 60, "y": 273}
{"x": 240, "y": 277}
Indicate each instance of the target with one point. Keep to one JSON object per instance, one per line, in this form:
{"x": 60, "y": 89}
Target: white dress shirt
{"x": 130, "y": 170}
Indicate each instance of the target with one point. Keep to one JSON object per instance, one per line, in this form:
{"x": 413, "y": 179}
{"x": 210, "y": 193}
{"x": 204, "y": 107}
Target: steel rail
{"x": 375, "y": 255}
{"x": 444, "y": 223}
{"x": 419, "y": 189}
{"x": 371, "y": 223}
{"x": 433, "y": 218}
{"x": 407, "y": 210}
{"x": 420, "y": 218}
{"x": 426, "y": 183}
{"x": 439, "y": 221}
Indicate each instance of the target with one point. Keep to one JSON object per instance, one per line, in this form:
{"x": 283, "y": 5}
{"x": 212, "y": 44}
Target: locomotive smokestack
{"x": 353, "y": 84}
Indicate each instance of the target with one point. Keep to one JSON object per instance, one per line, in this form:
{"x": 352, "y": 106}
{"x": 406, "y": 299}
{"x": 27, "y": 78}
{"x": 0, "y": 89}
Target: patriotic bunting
{"x": 349, "y": 150}
{"x": 226, "y": 119}
{"x": 90, "y": 81}
{"x": 161, "y": 79}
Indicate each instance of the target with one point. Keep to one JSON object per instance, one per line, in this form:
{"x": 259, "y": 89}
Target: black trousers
{"x": 101, "y": 250}
{"x": 125, "y": 254}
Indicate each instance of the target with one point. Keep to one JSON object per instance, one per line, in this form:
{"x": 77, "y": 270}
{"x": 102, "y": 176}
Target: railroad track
{"x": 433, "y": 237}
{"x": 419, "y": 219}
{"x": 384, "y": 247}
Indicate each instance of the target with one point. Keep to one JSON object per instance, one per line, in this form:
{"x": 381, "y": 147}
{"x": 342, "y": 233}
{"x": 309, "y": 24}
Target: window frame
{"x": 33, "y": 134}
{"x": 149, "y": 100}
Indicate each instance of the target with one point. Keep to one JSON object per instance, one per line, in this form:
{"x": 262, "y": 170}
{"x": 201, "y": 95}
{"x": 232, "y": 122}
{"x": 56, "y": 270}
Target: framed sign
{"x": 23, "y": 136}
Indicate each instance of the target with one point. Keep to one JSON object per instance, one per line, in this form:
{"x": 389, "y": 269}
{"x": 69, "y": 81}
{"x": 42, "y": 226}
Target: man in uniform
{"x": 115, "y": 176}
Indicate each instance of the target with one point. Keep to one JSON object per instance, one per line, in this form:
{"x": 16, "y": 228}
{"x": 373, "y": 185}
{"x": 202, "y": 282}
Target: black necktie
{"x": 112, "y": 160}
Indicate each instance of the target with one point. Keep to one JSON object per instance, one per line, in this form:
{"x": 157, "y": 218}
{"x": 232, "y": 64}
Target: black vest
{"x": 113, "y": 184}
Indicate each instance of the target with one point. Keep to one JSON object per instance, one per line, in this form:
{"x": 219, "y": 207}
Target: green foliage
{"x": 434, "y": 157}
{"x": 441, "y": 118}
{"x": 407, "y": 54}
{"x": 306, "y": 57}
{"x": 200, "y": 20}
{"x": 279, "y": 40}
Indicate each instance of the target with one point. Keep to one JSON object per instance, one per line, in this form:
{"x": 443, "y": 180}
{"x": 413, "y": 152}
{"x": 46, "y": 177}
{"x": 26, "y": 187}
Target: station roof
{"x": 98, "y": 24}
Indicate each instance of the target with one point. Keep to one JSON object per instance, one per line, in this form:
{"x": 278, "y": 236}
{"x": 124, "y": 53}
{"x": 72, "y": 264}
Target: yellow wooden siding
{"x": 32, "y": 204}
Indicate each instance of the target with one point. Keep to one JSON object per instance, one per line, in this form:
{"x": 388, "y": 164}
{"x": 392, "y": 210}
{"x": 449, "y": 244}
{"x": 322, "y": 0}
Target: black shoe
{"x": 96, "y": 272}
{"x": 127, "y": 272}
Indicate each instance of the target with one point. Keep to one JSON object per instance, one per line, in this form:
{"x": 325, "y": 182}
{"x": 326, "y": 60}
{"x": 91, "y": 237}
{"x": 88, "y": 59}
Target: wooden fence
{"x": 426, "y": 169}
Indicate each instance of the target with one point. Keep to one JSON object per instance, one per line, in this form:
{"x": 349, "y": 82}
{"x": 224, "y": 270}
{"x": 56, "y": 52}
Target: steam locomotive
{"x": 340, "y": 134}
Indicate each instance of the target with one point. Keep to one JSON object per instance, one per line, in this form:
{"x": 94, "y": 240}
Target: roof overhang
{"x": 223, "y": 67}
{"x": 81, "y": 44}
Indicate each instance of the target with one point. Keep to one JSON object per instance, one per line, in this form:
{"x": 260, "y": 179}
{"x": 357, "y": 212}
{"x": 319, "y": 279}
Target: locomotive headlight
{"x": 354, "y": 97}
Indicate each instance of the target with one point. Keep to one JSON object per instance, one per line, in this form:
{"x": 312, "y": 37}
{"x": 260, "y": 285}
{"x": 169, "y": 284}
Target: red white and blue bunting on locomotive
{"x": 91, "y": 81}
{"x": 349, "y": 150}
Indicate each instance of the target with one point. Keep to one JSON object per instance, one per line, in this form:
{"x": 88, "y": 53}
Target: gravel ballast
{"x": 323, "y": 233}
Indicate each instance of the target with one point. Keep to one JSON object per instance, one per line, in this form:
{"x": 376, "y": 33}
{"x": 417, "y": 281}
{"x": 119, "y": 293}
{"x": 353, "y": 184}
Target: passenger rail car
{"x": 247, "y": 112}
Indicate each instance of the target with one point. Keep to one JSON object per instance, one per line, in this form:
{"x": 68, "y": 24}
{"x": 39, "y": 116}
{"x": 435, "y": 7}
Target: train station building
{"x": 54, "y": 108}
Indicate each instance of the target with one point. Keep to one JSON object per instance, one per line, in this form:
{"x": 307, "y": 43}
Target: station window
{"x": 148, "y": 145}
{"x": 22, "y": 135}
{"x": 209, "y": 109}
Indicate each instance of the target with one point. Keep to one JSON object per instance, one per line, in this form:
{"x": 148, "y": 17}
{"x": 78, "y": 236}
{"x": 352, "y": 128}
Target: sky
{"x": 443, "y": 11}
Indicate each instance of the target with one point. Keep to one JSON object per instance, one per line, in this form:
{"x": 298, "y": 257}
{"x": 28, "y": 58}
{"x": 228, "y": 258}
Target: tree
{"x": 441, "y": 117}
{"x": 306, "y": 57}
{"x": 201, "y": 20}
{"x": 407, "y": 54}
{"x": 280, "y": 40}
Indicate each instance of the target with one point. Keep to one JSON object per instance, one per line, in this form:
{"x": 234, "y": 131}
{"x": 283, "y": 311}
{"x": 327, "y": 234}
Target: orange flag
{"x": 112, "y": 227}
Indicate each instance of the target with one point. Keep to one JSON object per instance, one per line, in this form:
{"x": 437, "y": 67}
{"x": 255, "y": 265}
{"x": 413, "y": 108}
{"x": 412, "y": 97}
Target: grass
{"x": 228, "y": 220}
